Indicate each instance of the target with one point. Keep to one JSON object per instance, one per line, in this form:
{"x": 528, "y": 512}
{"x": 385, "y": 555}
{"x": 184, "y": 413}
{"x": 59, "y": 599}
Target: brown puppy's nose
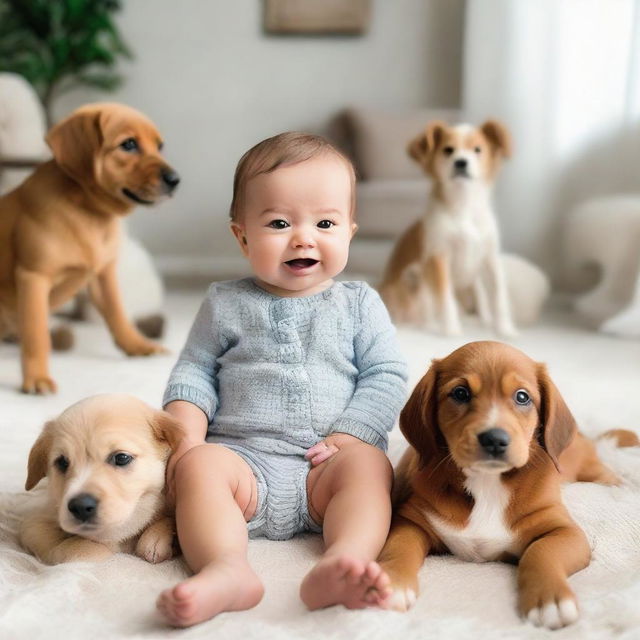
{"x": 83, "y": 507}
{"x": 494, "y": 441}
{"x": 170, "y": 178}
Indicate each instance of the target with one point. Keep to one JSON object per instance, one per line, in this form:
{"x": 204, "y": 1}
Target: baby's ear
{"x": 240, "y": 235}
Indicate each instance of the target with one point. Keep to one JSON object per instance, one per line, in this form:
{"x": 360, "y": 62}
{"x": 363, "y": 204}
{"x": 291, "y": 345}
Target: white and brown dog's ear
{"x": 498, "y": 136}
{"x": 419, "y": 418}
{"x": 75, "y": 143}
{"x": 427, "y": 142}
{"x": 558, "y": 426}
{"x": 166, "y": 429}
{"x": 39, "y": 457}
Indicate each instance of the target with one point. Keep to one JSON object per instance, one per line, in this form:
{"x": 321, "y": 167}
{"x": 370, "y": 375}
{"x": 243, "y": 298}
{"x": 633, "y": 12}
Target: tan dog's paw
{"x": 38, "y": 385}
{"x": 552, "y": 608}
{"x": 156, "y": 543}
{"x": 142, "y": 347}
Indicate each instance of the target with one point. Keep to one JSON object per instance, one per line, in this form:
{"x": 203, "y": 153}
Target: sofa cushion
{"x": 379, "y": 140}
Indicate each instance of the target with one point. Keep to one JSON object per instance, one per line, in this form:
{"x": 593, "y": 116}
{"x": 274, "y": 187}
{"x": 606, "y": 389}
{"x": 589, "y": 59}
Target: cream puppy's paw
{"x": 156, "y": 543}
{"x": 554, "y": 615}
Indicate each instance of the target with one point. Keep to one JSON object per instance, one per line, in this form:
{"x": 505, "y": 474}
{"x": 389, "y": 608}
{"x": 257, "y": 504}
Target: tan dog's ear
{"x": 75, "y": 142}
{"x": 419, "y": 418}
{"x": 167, "y": 429}
{"x": 419, "y": 148}
{"x": 558, "y": 426}
{"x": 39, "y": 457}
{"x": 498, "y": 136}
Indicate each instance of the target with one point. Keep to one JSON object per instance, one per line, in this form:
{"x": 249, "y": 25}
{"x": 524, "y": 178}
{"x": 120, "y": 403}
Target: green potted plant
{"x": 60, "y": 44}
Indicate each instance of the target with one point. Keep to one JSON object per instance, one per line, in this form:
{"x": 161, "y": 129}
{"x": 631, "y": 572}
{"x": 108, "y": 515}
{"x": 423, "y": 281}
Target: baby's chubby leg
{"x": 349, "y": 495}
{"x": 215, "y": 496}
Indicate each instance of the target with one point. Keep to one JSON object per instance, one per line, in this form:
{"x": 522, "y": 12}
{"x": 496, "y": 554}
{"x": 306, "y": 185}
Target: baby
{"x": 294, "y": 380}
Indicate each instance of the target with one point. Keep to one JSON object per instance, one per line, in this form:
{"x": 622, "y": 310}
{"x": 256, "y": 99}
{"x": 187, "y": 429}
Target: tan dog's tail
{"x": 622, "y": 437}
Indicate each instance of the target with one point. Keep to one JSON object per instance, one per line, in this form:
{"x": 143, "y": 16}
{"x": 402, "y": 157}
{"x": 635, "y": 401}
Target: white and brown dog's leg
{"x": 481, "y": 300}
{"x": 437, "y": 271}
{"x": 502, "y": 308}
{"x": 105, "y": 294}
{"x": 33, "y": 327}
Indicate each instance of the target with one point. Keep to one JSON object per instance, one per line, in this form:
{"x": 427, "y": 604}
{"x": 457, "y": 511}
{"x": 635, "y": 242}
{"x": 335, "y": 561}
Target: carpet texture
{"x": 599, "y": 377}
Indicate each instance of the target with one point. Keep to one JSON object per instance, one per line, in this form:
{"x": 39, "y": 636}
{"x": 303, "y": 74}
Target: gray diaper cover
{"x": 282, "y": 510}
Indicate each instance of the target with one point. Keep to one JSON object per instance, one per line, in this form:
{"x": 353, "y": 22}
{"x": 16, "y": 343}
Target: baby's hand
{"x": 327, "y": 447}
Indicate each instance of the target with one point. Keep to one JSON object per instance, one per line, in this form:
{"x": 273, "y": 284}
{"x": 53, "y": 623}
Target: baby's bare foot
{"x": 218, "y": 587}
{"x": 344, "y": 580}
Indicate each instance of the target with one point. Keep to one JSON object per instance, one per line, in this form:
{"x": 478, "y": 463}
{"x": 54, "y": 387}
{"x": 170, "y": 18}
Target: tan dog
{"x": 104, "y": 458}
{"x": 60, "y": 229}
{"x": 452, "y": 254}
{"x": 491, "y": 441}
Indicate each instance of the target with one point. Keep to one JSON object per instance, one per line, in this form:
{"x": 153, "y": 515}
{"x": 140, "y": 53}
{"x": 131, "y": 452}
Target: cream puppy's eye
{"x": 120, "y": 459}
{"x": 521, "y": 397}
{"x": 448, "y": 151}
{"x": 278, "y": 224}
{"x": 477, "y": 149}
{"x": 461, "y": 394}
{"x": 61, "y": 463}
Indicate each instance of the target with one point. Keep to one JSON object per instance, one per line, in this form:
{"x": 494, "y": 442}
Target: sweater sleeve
{"x": 193, "y": 378}
{"x": 381, "y": 386}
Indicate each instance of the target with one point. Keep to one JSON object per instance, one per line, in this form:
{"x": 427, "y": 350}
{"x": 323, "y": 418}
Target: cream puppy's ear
{"x": 498, "y": 136}
{"x": 166, "y": 429}
{"x": 39, "y": 457}
{"x": 426, "y": 143}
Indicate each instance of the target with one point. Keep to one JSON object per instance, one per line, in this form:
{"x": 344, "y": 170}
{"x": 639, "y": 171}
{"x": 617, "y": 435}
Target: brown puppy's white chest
{"x": 485, "y": 535}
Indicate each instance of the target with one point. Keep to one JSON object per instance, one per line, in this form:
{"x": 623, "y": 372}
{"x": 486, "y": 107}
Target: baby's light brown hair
{"x": 281, "y": 150}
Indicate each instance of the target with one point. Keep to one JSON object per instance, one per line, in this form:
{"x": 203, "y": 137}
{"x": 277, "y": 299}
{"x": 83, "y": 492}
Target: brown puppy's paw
{"x": 38, "y": 385}
{"x": 549, "y": 605}
{"x": 155, "y": 545}
{"x": 403, "y": 592}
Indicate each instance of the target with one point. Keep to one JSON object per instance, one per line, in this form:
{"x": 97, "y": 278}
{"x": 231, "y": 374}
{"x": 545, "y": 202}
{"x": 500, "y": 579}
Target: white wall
{"x": 216, "y": 84}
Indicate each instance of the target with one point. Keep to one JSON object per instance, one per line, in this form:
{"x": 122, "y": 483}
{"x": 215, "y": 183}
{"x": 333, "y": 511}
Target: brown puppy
{"x": 105, "y": 460}
{"x": 491, "y": 441}
{"x": 60, "y": 229}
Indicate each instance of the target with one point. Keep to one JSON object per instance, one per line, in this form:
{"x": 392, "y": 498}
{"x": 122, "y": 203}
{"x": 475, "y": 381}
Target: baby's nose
{"x": 303, "y": 240}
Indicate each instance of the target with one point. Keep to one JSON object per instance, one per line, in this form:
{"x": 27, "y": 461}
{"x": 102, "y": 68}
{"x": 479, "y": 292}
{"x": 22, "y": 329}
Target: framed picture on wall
{"x": 317, "y": 17}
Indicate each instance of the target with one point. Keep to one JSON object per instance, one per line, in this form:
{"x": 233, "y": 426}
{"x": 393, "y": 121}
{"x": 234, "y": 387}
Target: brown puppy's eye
{"x": 448, "y": 151}
{"x": 130, "y": 144}
{"x": 521, "y": 397}
{"x": 461, "y": 394}
{"x": 477, "y": 149}
{"x": 61, "y": 463}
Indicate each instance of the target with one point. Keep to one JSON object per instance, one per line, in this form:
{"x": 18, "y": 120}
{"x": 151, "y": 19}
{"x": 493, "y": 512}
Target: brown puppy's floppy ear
{"x": 419, "y": 418}
{"x": 166, "y": 429}
{"x": 558, "y": 426}
{"x": 39, "y": 457}
{"x": 75, "y": 142}
{"x": 498, "y": 137}
{"x": 419, "y": 148}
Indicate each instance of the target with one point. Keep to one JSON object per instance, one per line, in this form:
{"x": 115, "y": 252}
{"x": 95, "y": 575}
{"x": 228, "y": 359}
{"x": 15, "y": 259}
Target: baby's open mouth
{"x": 301, "y": 263}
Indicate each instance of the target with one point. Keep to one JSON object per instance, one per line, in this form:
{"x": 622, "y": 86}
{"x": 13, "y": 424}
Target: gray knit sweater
{"x": 279, "y": 374}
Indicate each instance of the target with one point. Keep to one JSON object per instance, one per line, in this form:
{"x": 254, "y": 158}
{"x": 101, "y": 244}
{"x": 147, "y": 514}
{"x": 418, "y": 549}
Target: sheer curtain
{"x": 564, "y": 75}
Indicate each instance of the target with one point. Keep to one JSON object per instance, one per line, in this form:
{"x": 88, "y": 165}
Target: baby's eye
{"x": 326, "y": 224}
{"x": 278, "y": 224}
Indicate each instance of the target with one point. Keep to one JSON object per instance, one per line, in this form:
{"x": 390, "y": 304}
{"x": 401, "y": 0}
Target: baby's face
{"x": 296, "y": 225}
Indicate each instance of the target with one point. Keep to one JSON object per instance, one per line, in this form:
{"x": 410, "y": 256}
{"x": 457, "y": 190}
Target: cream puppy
{"x": 451, "y": 255}
{"x": 104, "y": 458}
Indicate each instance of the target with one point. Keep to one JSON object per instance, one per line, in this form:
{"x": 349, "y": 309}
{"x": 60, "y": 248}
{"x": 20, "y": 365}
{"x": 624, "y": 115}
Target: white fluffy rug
{"x": 599, "y": 377}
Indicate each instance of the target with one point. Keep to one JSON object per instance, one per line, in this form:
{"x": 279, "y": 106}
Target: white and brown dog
{"x": 452, "y": 254}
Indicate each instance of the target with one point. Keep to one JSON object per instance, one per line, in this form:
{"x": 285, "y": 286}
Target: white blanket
{"x": 599, "y": 377}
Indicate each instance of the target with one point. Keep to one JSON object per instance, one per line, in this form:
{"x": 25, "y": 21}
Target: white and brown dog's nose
{"x": 84, "y": 507}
